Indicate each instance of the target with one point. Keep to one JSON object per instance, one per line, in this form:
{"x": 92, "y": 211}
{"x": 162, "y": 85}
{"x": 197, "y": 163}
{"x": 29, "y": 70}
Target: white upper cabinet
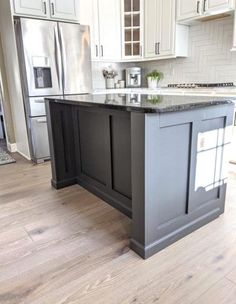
{"x": 167, "y": 30}
{"x": 88, "y": 15}
{"x": 28, "y": 7}
{"x": 152, "y": 28}
{"x": 109, "y": 29}
{"x": 104, "y": 19}
{"x": 187, "y": 9}
{"x": 163, "y": 37}
{"x": 50, "y": 9}
{"x": 64, "y": 9}
{"x": 132, "y": 29}
{"x": 211, "y": 6}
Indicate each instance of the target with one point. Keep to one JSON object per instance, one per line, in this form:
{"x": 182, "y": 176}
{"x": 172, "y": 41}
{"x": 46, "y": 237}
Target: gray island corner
{"x": 158, "y": 159}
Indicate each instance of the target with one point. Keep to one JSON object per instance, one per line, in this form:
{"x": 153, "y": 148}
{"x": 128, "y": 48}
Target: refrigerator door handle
{"x": 63, "y": 56}
{"x": 58, "y": 58}
{"x": 41, "y": 100}
{"x": 41, "y": 120}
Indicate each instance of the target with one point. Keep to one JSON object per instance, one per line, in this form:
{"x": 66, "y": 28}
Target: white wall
{"x": 13, "y": 77}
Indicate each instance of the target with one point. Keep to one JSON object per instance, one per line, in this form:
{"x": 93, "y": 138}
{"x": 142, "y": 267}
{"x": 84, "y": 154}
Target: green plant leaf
{"x": 155, "y": 75}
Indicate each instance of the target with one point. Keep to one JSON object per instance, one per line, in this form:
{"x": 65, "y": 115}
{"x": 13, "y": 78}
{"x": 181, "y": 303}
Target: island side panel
{"x": 62, "y": 144}
{"x": 91, "y": 147}
{"x": 165, "y": 149}
{"x": 103, "y": 154}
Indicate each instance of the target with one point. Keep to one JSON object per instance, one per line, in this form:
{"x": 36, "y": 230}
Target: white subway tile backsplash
{"x": 98, "y": 67}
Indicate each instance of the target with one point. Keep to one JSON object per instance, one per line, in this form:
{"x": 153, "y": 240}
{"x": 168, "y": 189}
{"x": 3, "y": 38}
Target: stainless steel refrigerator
{"x": 54, "y": 60}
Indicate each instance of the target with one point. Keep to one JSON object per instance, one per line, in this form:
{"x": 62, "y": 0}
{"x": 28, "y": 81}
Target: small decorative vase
{"x": 152, "y": 83}
{"x": 110, "y": 83}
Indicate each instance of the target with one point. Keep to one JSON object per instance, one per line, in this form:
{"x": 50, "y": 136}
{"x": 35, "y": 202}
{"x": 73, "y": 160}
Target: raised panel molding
{"x": 121, "y": 154}
{"x": 29, "y": 7}
{"x": 176, "y": 140}
{"x": 67, "y": 9}
{"x": 219, "y": 4}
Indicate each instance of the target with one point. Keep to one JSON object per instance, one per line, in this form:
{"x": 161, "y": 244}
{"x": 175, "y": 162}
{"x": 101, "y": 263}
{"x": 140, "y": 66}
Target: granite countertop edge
{"x": 141, "y": 109}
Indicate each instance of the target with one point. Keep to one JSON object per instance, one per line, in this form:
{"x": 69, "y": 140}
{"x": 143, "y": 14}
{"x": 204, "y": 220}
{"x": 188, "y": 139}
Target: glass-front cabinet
{"x": 132, "y": 29}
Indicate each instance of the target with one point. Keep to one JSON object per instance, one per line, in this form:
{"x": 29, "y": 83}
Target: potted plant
{"x": 153, "y": 79}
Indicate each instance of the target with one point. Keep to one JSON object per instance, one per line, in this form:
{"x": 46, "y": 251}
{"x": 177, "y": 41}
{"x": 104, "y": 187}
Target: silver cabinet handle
{"x": 204, "y": 6}
{"x": 53, "y": 9}
{"x": 158, "y": 48}
{"x": 44, "y": 8}
{"x": 102, "y": 50}
{"x": 198, "y": 7}
{"x": 141, "y": 50}
{"x": 96, "y": 48}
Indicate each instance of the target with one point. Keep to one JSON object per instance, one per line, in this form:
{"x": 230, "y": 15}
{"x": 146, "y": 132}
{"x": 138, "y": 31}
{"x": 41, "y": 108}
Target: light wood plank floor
{"x": 69, "y": 247}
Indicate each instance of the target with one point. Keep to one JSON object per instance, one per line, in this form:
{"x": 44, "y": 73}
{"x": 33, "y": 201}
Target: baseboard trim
{"x": 25, "y": 156}
{"x": 64, "y": 183}
{"x": 106, "y": 197}
{"x": 149, "y": 250}
{"x": 96, "y": 191}
{"x": 12, "y": 147}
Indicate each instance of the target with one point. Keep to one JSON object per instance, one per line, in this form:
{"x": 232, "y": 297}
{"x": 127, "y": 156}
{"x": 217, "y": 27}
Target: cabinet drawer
{"x": 37, "y": 106}
{"x": 39, "y": 133}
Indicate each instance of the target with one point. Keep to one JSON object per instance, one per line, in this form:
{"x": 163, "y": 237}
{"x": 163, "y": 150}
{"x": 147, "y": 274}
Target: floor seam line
{"x": 28, "y": 234}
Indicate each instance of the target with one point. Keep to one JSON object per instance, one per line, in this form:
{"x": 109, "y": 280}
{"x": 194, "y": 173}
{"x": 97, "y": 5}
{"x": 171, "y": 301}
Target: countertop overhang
{"x": 144, "y": 103}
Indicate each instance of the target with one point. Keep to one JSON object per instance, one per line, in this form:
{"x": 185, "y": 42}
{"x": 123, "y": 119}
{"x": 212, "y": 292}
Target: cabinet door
{"x": 167, "y": 28}
{"x": 132, "y": 17}
{"x": 64, "y": 9}
{"x": 88, "y": 15}
{"x": 215, "y": 5}
{"x": 109, "y": 29}
{"x": 187, "y": 9}
{"x": 29, "y": 7}
{"x": 151, "y": 28}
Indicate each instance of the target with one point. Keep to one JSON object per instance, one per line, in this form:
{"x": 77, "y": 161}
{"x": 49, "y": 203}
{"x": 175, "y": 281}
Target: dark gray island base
{"x": 159, "y": 160}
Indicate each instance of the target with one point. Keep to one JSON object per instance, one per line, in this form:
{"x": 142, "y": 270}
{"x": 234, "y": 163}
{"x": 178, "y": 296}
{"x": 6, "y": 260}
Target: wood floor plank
{"x": 69, "y": 247}
{"x": 223, "y": 292}
{"x": 232, "y": 276}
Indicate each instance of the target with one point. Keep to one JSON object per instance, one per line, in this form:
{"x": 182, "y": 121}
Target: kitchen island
{"x": 158, "y": 159}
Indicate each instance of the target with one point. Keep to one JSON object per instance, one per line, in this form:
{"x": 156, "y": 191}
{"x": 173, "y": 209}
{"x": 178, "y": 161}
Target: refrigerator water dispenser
{"x": 42, "y": 72}
{"x": 42, "y": 77}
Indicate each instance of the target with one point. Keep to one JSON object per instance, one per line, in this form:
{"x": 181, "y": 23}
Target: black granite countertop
{"x": 143, "y": 103}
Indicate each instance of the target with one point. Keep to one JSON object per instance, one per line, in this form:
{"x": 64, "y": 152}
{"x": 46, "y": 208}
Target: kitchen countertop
{"x": 219, "y": 92}
{"x": 145, "y": 103}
